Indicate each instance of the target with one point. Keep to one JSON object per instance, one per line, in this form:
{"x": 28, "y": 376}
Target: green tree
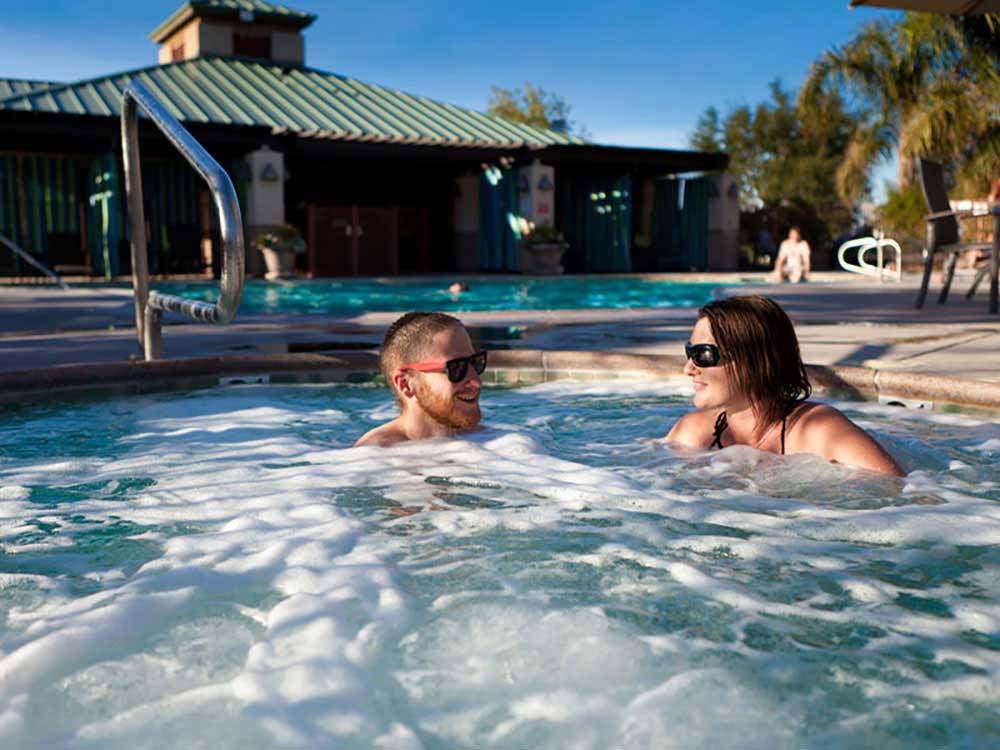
{"x": 707, "y": 135}
{"x": 923, "y": 85}
{"x": 781, "y": 159}
{"x": 533, "y": 105}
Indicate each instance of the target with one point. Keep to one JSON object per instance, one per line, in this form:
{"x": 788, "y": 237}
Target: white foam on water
{"x": 706, "y": 708}
{"x": 278, "y": 589}
{"x": 989, "y": 446}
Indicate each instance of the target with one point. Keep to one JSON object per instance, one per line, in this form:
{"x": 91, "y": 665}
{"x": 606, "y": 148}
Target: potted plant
{"x": 542, "y": 249}
{"x": 279, "y": 246}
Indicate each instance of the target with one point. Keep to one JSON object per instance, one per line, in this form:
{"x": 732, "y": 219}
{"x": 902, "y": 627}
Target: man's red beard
{"x": 443, "y": 410}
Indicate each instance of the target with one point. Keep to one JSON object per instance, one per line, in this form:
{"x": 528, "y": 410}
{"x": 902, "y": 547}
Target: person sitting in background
{"x": 793, "y": 261}
{"x": 751, "y": 388}
{"x": 433, "y": 371}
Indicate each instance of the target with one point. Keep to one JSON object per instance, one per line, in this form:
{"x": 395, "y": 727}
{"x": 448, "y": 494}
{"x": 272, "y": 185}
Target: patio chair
{"x": 943, "y": 235}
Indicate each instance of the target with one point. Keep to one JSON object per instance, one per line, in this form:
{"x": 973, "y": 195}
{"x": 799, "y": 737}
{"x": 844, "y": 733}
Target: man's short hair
{"x": 408, "y": 339}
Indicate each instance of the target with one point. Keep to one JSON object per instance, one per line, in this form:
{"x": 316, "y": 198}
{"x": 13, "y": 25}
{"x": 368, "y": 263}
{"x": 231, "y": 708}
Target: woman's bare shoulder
{"x": 693, "y": 430}
{"x": 825, "y": 431}
{"x": 812, "y": 418}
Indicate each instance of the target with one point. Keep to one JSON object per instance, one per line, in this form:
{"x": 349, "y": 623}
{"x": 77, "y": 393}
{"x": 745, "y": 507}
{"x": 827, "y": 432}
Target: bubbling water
{"x": 222, "y": 568}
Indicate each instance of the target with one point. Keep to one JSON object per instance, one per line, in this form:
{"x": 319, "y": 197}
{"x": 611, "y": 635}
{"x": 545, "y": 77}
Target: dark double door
{"x": 366, "y": 241}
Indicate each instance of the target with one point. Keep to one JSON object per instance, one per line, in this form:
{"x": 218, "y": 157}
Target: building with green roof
{"x": 379, "y": 181}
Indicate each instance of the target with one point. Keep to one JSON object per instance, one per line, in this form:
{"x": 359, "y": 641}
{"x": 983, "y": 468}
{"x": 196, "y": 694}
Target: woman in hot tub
{"x": 751, "y": 388}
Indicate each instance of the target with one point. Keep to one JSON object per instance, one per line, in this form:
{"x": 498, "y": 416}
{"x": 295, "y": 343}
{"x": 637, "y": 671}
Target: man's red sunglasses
{"x": 457, "y": 369}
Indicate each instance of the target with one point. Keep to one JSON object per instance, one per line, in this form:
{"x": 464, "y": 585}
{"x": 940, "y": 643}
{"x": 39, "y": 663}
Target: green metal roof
{"x": 14, "y": 86}
{"x": 290, "y": 99}
{"x": 262, "y": 11}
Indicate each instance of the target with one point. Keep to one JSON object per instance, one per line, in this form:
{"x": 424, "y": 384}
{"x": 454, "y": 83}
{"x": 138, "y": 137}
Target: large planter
{"x": 280, "y": 262}
{"x": 542, "y": 257}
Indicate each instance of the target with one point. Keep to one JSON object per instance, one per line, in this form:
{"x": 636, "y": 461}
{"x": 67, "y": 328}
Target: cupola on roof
{"x": 233, "y": 28}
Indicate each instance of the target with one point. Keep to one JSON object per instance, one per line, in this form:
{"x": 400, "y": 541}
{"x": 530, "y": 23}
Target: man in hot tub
{"x": 433, "y": 371}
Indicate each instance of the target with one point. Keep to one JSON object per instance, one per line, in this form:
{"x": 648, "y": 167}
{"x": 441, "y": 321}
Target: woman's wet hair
{"x": 761, "y": 352}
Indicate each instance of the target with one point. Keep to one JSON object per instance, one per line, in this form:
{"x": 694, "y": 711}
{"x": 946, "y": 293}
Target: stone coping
{"x": 685, "y": 276}
{"x": 508, "y": 366}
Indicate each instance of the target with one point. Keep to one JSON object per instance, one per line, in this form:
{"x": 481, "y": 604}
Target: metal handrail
{"x": 864, "y": 244}
{"x": 149, "y": 305}
{"x": 26, "y": 257}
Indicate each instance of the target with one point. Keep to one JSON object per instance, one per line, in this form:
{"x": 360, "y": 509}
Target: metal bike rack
{"x": 149, "y": 305}
{"x": 864, "y": 244}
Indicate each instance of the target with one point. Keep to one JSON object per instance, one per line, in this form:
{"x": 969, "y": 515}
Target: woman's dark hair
{"x": 760, "y": 350}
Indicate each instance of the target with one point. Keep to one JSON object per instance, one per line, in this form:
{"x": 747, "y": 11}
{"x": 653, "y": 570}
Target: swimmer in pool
{"x": 433, "y": 371}
{"x": 751, "y": 388}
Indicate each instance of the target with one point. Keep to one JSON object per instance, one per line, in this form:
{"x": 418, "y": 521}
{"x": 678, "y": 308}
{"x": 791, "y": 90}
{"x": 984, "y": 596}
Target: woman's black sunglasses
{"x": 703, "y": 355}
{"x": 458, "y": 368}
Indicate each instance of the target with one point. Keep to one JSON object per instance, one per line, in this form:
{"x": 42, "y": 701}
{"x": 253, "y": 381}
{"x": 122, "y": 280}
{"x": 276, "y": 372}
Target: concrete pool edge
{"x": 508, "y": 366}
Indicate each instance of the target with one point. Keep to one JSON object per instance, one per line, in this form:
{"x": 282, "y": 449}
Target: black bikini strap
{"x": 721, "y": 423}
{"x": 789, "y": 410}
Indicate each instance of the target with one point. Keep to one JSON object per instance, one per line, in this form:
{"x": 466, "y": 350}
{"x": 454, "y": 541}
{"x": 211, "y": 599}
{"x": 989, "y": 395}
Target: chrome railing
{"x": 150, "y": 304}
{"x": 865, "y": 244}
{"x": 26, "y": 257}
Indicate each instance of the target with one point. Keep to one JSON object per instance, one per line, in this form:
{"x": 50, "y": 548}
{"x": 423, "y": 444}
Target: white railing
{"x": 865, "y": 244}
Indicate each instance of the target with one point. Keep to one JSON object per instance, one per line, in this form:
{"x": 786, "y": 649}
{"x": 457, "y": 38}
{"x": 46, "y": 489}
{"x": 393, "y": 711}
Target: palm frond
{"x": 866, "y": 146}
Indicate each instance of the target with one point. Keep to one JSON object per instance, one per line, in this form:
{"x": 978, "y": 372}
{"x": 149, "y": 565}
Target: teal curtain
{"x": 104, "y": 215}
{"x": 50, "y": 199}
{"x": 9, "y": 221}
{"x": 680, "y": 224}
{"x": 595, "y": 215}
{"x": 498, "y": 209}
{"x": 170, "y": 199}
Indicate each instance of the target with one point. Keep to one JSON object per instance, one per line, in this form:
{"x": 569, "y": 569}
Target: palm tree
{"x": 924, "y": 85}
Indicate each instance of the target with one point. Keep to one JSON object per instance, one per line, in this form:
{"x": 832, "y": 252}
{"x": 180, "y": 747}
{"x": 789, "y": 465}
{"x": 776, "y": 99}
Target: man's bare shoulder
{"x": 693, "y": 430}
{"x": 382, "y": 436}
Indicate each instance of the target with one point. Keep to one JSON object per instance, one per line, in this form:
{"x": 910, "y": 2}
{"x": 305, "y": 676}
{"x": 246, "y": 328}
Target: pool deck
{"x": 841, "y": 320}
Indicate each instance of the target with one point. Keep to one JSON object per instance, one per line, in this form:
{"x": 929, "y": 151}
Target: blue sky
{"x": 636, "y": 72}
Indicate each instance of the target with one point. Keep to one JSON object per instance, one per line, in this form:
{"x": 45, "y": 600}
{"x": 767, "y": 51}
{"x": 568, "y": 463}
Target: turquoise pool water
{"x": 221, "y": 569}
{"x": 369, "y": 295}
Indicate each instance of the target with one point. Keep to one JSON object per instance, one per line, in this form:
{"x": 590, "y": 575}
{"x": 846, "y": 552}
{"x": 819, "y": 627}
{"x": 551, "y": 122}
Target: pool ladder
{"x": 150, "y": 304}
{"x": 865, "y": 244}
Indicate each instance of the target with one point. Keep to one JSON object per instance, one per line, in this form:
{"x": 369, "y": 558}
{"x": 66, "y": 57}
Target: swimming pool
{"x": 325, "y": 296}
{"x": 221, "y": 568}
